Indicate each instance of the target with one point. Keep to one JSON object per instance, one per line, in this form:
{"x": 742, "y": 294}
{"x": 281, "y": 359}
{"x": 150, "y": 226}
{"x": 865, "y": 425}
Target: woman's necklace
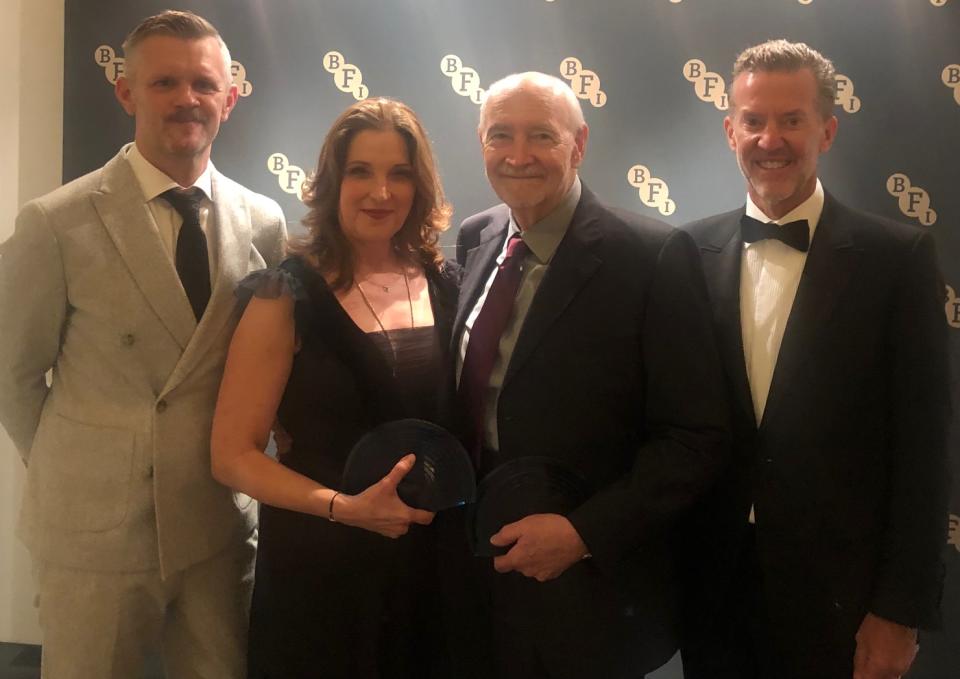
{"x": 393, "y": 346}
{"x": 385, "y": 288}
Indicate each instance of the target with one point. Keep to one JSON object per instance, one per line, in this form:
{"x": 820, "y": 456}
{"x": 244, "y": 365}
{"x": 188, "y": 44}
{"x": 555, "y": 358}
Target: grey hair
{"x": 783, "y": 55}
{"x": 540, "y": 80}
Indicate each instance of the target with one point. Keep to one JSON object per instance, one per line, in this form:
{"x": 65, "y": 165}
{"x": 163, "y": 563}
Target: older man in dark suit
{"x": 583, "y": 336}
{"x": 819, "y": 550}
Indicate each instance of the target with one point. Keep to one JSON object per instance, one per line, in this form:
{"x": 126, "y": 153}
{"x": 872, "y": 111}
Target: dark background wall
{"x": 899, "y": 109}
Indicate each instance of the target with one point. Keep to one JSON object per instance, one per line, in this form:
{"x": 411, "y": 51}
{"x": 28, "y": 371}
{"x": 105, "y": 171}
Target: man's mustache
{"x": 519, "y": 175}
{"x": 187, "y": 115}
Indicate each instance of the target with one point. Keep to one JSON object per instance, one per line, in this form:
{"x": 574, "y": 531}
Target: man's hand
{"x": 885, "y": 650}
{"x": 544, "y": 546}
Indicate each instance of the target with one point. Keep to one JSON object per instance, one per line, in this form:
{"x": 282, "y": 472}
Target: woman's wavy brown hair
{"x": 416, "y": 241}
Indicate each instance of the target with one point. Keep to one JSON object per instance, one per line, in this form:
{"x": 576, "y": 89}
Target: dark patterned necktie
{"x": 484, "y": 342}
{"x": 795, "y": 234}
{"x": 193, "y": 265}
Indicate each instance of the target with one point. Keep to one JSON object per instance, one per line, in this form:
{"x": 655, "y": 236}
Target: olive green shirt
{"x": 542, "y": 239}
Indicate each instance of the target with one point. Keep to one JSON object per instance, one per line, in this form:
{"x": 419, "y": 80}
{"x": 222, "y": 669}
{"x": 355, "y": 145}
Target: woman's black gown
{"x": 331, "y": 600}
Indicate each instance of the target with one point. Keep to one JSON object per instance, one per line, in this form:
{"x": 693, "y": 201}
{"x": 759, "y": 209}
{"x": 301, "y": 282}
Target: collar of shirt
{"x": 154, "y": 181}
{"x": 810, "y": 209}
{"x": 543, "y": 238}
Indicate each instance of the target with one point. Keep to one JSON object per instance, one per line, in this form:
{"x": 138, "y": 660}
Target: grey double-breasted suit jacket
{"x": 117, "y": 444}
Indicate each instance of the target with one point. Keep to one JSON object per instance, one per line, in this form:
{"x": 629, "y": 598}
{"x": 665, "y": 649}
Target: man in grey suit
{"x": 122, "y": 282}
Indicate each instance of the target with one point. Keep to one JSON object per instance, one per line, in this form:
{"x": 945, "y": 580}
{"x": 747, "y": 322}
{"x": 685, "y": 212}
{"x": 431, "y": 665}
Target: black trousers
{"x": 733, "y": 642}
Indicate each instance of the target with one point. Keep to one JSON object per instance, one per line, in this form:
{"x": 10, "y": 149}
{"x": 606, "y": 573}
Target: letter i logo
{"x": 708, "y": 86}
{"x": 346, "y": 77}
{"x": 464, "y": 80}
{"x": 584, "y": 83}
{"x": 913, "y": 201}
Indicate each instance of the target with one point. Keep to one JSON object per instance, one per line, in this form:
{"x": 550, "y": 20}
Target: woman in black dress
{"x": 352, "y": 330}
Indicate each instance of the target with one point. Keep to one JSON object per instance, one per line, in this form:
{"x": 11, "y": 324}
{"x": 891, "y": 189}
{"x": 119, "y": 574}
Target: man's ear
{"x": 233, "y": 94}
{"x": 125, "y": 95}
{"x": 829, "y": 133}
{"x": 580, "y": 144}
{"x": 728, "y": 129}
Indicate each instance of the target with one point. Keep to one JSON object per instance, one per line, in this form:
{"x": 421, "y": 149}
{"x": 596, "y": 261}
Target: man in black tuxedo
{"x": 819, "y": 551}
{"x": 582, "y": 335}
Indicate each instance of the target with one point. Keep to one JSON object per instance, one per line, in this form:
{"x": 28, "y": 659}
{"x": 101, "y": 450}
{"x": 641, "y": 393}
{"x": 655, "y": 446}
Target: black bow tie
{"x": 795, "y": 234}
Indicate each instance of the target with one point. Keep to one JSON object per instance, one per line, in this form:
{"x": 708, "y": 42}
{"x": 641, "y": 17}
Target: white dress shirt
{"x": 770, "y": 273}
{"x": 154, "y": 182}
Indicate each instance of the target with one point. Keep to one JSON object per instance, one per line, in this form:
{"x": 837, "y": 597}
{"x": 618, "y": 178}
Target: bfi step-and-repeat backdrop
{"x": 653, "y": 76}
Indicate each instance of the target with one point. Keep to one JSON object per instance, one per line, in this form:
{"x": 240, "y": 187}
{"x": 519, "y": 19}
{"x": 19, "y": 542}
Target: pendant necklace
{"x": 385, "y": 288}
{"x": 390, "y": 342}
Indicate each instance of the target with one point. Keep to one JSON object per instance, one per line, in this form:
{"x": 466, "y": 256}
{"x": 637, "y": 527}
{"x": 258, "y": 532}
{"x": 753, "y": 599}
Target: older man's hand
{"x": 885, "y": 650}
{"x": 544, "y": 546}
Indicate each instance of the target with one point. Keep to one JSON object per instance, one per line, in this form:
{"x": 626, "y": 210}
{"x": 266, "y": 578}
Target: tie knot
{"x": 516, "y": 247}
{"x": 186, "y": 202}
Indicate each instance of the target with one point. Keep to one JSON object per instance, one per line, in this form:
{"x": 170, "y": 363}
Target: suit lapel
{"x": 478, "y": 264}
{"x": 129, "y": 222}
{"x": 573, "y": 264}
{"x": 231, "y": 224}
{"x": 832, "y": 260}
{"x": 721, "y": 258}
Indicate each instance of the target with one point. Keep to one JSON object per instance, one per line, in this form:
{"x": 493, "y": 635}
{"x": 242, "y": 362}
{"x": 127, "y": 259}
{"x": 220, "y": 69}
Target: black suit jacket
{"x": 848, "y": 468}
{"x": 615, "y": 372}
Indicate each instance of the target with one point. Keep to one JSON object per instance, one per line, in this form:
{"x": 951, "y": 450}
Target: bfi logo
{"x": 238, "y": 73}
{"x": 709, "y": 86}
{"x": 952, "y": 307}
{"x": 951, "y": 78}
{"x": 346, "y": 77}
{"x": 584, "y": 83}
{"x": 289, "y": 177}
{"x": 913, "y": 200}
{"x": 464, "y": 80}
{"x": 846, "y": 99}
{"x": 112, "y": 65}
{"x": 113, "y": 69}
{"x": 953, "y": 534}
{"x": 653, "y": 191}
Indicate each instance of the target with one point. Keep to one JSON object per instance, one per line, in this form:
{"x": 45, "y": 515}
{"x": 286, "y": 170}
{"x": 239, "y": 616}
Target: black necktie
{"x": 484, "y": 343}
{"x": 192, "y": 263}
{"x": 795, "y": 234}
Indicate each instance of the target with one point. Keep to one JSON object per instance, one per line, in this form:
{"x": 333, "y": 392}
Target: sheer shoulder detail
{"x": 270, "y": 284}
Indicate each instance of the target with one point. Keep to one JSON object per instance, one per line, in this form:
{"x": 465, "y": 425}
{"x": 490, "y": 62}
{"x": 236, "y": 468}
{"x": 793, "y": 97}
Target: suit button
{"x": 161, "y": 406}
{"x": 767, "y": 460}
{"x": 150, "y": 472}
{"x": 128, "y": 339}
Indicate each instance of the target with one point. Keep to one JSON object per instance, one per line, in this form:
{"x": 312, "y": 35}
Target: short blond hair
{"x": 176, "y": 24}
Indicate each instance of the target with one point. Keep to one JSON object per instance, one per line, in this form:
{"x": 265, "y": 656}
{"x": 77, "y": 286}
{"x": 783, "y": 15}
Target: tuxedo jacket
{"x": 848, "y": 467}
{"x": 616, "y": 373}
{"x": 117, "y": 445}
